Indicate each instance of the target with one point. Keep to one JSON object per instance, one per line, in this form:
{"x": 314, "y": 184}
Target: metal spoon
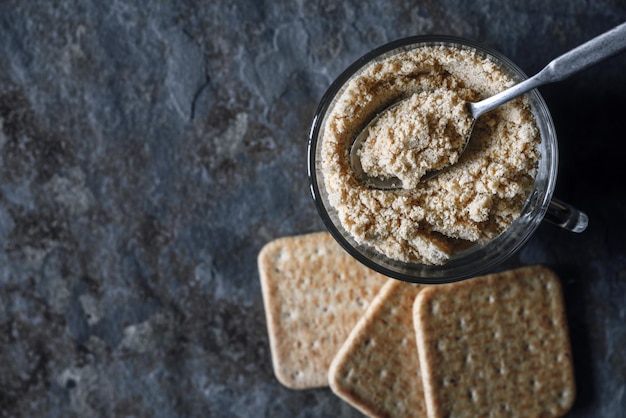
{"x": 579, "y": 58}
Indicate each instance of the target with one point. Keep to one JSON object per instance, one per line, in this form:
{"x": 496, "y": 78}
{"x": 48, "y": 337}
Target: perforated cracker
{"x": 495, "y": 346}
{"x": 377, "y": 369}
{"x": 314, "y": 293}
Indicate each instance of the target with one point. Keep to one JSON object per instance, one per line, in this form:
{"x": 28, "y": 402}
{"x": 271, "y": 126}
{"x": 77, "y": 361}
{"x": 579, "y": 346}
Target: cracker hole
{"x": 496, "y": 335}
{"x": 463, "y": 323}
{"x": 474, "y": 395}
{"x": 505, "y": 407}
{"x": 535, "y": 384}
{"x": 349, "y": 375}
{"x": 491, "y": 299}
{"x": 383, "y": 373}
{"x": 565, "y": 398}
{"x": 434, "y": 307}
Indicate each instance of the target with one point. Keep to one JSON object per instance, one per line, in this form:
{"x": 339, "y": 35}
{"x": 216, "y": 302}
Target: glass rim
{"x": 548, "y": 133}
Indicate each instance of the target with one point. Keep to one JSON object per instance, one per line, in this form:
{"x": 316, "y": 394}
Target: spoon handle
{"x": 583, "y": 56}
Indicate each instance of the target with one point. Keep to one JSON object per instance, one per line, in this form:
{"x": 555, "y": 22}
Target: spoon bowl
{"x": 392, "y": 182}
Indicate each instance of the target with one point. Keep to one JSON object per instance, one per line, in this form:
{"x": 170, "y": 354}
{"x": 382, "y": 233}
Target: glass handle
{"x": 566, "y": 216}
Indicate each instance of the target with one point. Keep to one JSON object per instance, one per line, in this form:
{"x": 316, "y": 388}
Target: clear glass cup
{"x": 481, "y": 257}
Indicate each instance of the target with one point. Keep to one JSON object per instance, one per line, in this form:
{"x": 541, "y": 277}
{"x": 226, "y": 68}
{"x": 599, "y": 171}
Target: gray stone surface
{"x": 149, "y": 149}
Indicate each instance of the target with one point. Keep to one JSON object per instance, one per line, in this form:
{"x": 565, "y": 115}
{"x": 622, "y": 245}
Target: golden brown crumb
{"x": 475, "y": 199}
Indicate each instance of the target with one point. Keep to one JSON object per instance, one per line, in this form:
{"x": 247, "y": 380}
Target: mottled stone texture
{"x": 149, "y": 149}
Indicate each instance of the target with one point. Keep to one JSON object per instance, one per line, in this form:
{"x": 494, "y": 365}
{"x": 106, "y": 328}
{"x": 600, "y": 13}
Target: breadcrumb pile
{"x": 473, "y": 200}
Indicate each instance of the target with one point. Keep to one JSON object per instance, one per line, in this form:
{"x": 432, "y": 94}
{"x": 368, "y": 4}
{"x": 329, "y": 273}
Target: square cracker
{"x": 313, "y": 293}
{"x": 495, "y": 346}
{"x": 377, "y": 369}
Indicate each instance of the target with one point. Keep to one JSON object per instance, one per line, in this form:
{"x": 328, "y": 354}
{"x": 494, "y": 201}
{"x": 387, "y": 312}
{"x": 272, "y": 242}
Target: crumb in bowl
{"x": 472, "y": 201}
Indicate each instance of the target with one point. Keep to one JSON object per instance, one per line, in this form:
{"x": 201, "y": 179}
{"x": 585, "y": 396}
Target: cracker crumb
{"x": 472, "y": 201}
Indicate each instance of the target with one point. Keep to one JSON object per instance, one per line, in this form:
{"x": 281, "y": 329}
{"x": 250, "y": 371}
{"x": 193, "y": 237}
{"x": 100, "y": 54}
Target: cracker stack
{"x": 496, "y": 345}
{"x": 314, "y": 293}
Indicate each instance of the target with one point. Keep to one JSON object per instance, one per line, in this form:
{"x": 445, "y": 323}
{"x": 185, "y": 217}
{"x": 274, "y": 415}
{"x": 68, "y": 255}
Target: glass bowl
{"x": 479, "y": 258}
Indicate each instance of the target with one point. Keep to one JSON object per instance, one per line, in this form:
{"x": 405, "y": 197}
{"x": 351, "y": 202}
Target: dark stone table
{"x": 149, "y": 150}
